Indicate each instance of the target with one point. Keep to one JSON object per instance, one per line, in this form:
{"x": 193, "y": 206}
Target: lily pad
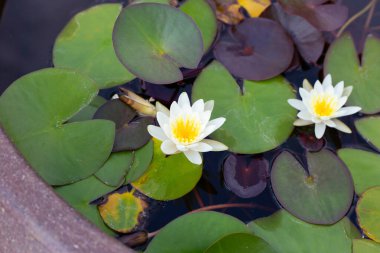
{"x": 115, "y": 168}
{"x": 155, "y": 40}
{"x": 365, "y": 246}
{"x": 85, "y": 45}
{"x": 169, "y": 177}
{"x": 80, "y": 194}
{"x": 142, "y": 158}
{"x": 121, "y": 212}
{"x": 255, "y": 7}
{"x": 245, "y": 176}
{"x": 369, "y": 129}
{"x": 203, "y": 15}
{"x": 87, "y": 112}
{"x": 368, "y": 211}
{"x": 364, "y": 167}
{"x": 131, "y": 132}
{"x": 325, "y": 17}
{"x": 195, "y": 232}
{"x": 32, "y": 112}
{"x": 253, "y": 53}
{"x": 287, "y": 234}
{"x": 343, "y": 64}
{"x": 323, "y": 195}
{"x": 242, "y": 243}
{"x": 258, "y": 120}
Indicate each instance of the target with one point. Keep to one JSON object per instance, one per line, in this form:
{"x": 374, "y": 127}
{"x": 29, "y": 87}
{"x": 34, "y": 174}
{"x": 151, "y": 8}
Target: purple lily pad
{"x": 257, "y": 49}
{"x": 310, "y": 142}
{"x": 245, "y": 176}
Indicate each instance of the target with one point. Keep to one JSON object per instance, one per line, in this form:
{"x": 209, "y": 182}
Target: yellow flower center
{"x": 324, "y": 105}
{"x": 186, "y": 129}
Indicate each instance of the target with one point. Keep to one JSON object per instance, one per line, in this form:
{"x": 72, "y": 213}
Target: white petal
{"x": 162, "y": 119}
{"x": 216, "y": 145}
{"x": 298, "y": 104}
{"x": 307, "y": 85}
{"x": 161, "y": 108}
{"x": 347, "y": 111}
{"x": 327, "y": 82}
{"x": 198, "y": 106}
{"x": 205, "y": 117}
{"x": 341, "y": 101}
{"x": 115, "y": 96}
{"x": 301, "y": 122}
{"x": 339, "y": 89}
{"x": 318, "y": 87}
{"x": 168, "y": 147}
{"x": 200, "y": 147}
{"x": 209, "y": 105}
{"x": 183, "y": 100}
{"x": 347, "y": 91}
{"x": 341, "y": 126}
{"x": 193, "y": 156}
{"x": 175, "y": 110}
{"x": 305, "y": 95}
{"x": 157, "y": 132}
{"x": 330, "y": 123}
{"x": 305, "y": 115}
{"x": 319, "y": 130}
{"x": 212, "y": 126}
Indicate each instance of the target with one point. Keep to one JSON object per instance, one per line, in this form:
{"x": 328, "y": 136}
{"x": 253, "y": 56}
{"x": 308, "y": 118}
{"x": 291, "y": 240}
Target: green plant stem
{"x": 356, "y": 16}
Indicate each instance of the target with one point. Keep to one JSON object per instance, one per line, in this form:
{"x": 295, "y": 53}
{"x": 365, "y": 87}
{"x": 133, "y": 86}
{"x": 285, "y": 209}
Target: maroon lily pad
{"x": 245, "y": 176}
{"x": 257, "y": 49}
{"x": 325, "y": 17}
{"x": 309, "y": 142}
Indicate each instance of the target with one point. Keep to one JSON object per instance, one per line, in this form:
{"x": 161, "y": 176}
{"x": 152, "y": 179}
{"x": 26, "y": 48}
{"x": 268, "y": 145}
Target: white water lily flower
{"x": 322, "y": 105}
{"x": 185, "y": 127}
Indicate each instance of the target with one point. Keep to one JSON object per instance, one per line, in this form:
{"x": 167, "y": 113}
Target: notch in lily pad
{"x": 131, "y": 131}
{"x": 321, "y": 195}
{"x": 154, "y": 41}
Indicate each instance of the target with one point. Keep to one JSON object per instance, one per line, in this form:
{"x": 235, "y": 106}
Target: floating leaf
{"x": 80, "y": 194}
{"x": 116, "y": 167}
{"x": 228, "y": 11}
{"x": 203, "y": 15}
{"x": 32, "y": 112}
{"x": 142, "y": 159}
{"x": 364, "y": 167}
{"x": 365, "y": 246}
{"x": 168, "y": 177}
{"x": 257, "y": 121}
{"x": 131, "y": 132}
{"x": 195, "y": 232}
{"x": 155, "y": 40}
{"x": 311, "y": 143}
{"x": 87, "y": 112}
{"x": 255, "y": 7}
{"x": 287, "y": 234}
{"x": 245, "y": 176}
{"x": 321, "y": 196}
{"x": 342, "y": 63}
{"x": 85, "y": 45}
{"x": 325, "y": 17}
{"x": 242, "y": 243}
{"x": 121, "y": 212}
{"x": 369, "y": 129}
{"x": 253, "y": 53}
{"x": 368, "y": 211}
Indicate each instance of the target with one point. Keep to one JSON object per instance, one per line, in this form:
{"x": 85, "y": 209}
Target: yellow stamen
{"x": 186, "y": 129}
{"x": 324, "y": 105}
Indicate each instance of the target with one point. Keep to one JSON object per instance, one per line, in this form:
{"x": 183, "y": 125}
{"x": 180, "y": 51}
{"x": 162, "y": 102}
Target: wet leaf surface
{"x": 85, "y": 45}
{"x": 321, "y": 196}
{"x": 245, "y": 176}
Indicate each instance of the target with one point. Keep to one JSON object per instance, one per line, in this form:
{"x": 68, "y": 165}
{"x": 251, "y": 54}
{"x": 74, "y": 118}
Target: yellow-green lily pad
{"x": 368, "y": 212}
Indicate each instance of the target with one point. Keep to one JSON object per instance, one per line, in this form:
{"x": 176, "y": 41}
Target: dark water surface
{"x": 28, "y": 29}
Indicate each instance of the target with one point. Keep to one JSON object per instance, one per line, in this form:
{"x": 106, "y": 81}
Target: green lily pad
{"x": 287, "y": 234}
{"x": 204, "y": 16}
{"x": 195, "y": 232}
{"x": 365, "y": 246}
{"x": 368, "y": 212}
{"x": 142, "y": 159}
{"x": 369, "y": 129}
{"x": 364, "y": 167}
{"x": 257, "y": 121}
{"x": 85, "y": 45}
{"x": 155, "y": 40}
{"x": 242, "y": 243}
{"x": 343, "y": 64}
{"x": 116, "y": 167}
{"x": 121, "y": 212}
{"x": 322, "y": 196}
{"x": 80, "y": 194}
{"x": 88, "y": 111}
{"x": 32, "y": 112}
{"x": 169, "y": 177}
